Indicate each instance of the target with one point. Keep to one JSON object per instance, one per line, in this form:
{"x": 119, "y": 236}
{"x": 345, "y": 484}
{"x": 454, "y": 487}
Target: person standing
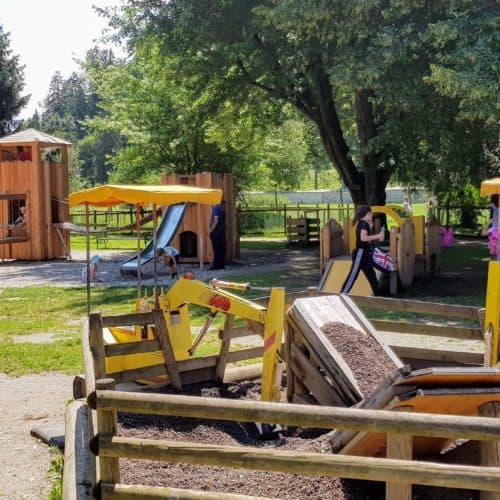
{"x": 362, "y": 255}
{"x": 406, "y": 204}
{"x": 217, "y": 231}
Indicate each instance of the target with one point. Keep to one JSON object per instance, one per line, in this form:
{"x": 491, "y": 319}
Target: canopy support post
{"x": 155, "y": 258}
{"x": 87, "y": 245}
{"x": 138, "y": 232}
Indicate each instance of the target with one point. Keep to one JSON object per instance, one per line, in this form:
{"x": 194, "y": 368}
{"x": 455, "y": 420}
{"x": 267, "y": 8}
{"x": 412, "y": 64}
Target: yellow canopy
{"x": 491, "y": 186}
{"x": 109, "y": 195}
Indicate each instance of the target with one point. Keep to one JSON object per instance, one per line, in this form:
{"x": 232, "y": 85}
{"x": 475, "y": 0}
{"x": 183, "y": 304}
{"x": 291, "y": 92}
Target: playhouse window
{"x": 51, "y": 154}
{"x": 15, "y": 215}
{"x": 15, "y": 153}
{"x": 15, "y": 212}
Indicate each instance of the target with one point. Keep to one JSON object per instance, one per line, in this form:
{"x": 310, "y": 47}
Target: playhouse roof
{"x": 109, "y": 195}
{"x": 32, "y": 135}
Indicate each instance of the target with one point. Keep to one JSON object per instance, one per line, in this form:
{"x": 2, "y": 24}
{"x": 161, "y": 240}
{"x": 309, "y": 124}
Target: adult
{"x": 362, "y": 255}
{"x": 217, "y": 231}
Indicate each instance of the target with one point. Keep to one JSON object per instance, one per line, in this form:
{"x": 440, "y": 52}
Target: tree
{"x": 172, "y": 124}
{"x": 355, "y": 69}
{"x": 11, "y": 85}
{"x": 69, "y": 103}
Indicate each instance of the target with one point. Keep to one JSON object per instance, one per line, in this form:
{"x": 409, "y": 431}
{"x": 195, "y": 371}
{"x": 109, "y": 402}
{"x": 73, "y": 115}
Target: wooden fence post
{"x": 490, "y": 450}
{"x": 220, "y": 366}
{"x": 96, "y": 342}
{"x": 109, "y": 467}
{"x": 161, "y": 333}
{"x": 399, "y": 446}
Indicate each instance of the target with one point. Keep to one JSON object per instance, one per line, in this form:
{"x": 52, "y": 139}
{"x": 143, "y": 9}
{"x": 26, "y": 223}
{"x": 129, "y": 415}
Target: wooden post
{"x": 109, "y": 467}
{"x": 399, "y": 446}
{"x": 220, "y": 366}
{"x": 87, "y": 248}
{"x": 161, "y": 333}
{"x": 96, "y": 342}
{"x": 490, "y": 450}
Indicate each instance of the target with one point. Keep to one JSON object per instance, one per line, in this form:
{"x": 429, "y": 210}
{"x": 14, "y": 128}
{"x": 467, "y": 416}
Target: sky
{"x": 47, "y": 36}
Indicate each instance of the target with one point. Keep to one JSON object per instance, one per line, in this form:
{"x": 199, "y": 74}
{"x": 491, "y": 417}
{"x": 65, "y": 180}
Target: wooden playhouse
{"x": 33, "y": 196}
{"x": 195, "y": 223}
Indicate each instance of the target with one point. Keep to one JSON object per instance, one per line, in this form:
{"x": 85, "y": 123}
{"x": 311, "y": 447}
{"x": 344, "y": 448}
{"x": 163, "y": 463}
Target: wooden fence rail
{"x": 392, "y": 470}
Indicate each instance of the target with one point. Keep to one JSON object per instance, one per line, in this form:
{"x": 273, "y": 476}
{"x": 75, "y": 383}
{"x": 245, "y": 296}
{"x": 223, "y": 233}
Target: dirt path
{"x": 26, "y": 402}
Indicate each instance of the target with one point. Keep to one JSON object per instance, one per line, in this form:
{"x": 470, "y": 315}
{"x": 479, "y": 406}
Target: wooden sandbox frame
{"x": 97, "y": 418}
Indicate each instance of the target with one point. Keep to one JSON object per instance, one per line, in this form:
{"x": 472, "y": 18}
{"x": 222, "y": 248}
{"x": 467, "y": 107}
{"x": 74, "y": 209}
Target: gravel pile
{"x": 246, "y": 482}
{"x": 362, "y": 353}
{"x": 276, "y": 485}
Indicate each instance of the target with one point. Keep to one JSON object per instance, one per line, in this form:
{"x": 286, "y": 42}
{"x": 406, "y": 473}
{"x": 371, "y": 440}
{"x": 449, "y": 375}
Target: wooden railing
{"x": 397, "y": 469}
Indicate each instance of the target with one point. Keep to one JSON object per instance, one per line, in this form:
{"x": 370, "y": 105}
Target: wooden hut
{"x": 33, "y": 196}
{"x": 194, "y": 226}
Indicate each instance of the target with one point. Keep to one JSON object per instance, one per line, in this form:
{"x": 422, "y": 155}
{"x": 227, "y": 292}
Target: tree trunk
{"x": 366, "y": 184}
{"x": 376, "y": 179}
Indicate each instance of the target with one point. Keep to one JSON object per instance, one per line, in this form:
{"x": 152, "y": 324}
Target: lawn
{"x": 60, "y": 311}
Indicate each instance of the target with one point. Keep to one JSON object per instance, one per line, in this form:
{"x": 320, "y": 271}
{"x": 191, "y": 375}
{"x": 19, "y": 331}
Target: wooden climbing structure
{"x": 413, "y": 244}
{"x": 33, "y": 196}
{"x": 193, "y": 238}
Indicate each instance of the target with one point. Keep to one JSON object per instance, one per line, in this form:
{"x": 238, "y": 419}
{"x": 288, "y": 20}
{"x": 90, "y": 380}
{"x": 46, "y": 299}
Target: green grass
{"x": 257, "y": 244}
{"x": 61, "y": 312}
{"x": 55, "y": 474}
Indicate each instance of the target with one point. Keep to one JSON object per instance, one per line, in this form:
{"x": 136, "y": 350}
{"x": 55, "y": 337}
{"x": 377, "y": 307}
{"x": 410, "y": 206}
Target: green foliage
{"x": 467, "y": 198}
{"x": 11, "y": 85}
{"x": 69, "y": 103}
{"x": 383, "y": 82}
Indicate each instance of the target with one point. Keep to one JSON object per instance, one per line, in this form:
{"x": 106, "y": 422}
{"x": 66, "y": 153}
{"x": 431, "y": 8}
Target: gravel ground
{"x": 25, "y": 402}
{"x": 362, "y": 353}
{"x": 302, "y": 264}
{"x": 220, "y": 433}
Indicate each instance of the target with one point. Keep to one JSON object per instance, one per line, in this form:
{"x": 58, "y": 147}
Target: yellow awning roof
{"x": 109, "y": 195}
{"x": 491, "y": 186}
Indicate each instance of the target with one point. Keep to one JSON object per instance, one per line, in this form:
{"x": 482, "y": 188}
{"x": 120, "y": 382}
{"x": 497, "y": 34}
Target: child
{"x": 406, "y": 204}
{"x": 362, "y": 255}
{"x": 170, "y": 258}
{"x": 447, "y": 236}
{"x": 94, "y": 264}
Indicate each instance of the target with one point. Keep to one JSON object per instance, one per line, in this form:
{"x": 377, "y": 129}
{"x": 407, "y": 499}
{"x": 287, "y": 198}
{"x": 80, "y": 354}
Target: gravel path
{"x": 25, "y": 402}
{"x": 68, "y": 273}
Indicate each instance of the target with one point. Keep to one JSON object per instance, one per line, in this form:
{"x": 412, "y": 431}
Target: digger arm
{"x": 272, "y": 318}
{"x": 186, "y": 291}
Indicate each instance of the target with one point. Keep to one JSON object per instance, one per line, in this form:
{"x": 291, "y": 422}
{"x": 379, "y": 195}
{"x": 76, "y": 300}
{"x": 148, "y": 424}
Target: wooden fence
{"x": 397, "y": 469}
{"x": 81, "y": 470}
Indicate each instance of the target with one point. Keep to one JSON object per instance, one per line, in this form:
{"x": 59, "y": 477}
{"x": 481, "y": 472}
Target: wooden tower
{"x": 197, "y": 217}
{"x": 33, "y": 196}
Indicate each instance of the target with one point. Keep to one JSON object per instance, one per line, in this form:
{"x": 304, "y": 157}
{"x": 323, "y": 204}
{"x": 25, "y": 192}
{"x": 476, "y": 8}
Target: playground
{"x": 465, "y": 264}
{"x": 254, "y": 342}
